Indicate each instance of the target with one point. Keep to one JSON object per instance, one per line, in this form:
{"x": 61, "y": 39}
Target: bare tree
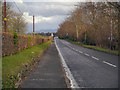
{"x": 91, "y": 23}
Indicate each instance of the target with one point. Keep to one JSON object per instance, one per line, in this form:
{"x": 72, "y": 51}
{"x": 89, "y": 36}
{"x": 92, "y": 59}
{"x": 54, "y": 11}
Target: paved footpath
{"x": 48, "y": 73}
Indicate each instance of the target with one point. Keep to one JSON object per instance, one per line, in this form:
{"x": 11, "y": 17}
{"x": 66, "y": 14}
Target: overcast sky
{"x": 48, "y": 15}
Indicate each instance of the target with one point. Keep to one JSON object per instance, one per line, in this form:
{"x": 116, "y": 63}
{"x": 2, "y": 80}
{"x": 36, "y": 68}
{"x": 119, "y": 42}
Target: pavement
{"x": 89, "y": 68}
{"x": 48, "y": 73}
{"x": 85, "y": 68}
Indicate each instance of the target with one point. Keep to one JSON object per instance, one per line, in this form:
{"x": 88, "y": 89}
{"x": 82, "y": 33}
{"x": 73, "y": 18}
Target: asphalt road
{"x": 48, "y": 73}
{"x": 89, "y": 68}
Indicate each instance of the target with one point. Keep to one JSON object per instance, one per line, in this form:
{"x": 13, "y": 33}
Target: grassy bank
{"x": 115, "y": 52}
{"x": 12, "y": 65}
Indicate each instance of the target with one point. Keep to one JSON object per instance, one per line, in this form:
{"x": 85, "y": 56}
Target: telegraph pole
{"x": 5, "y": 16}
{"x": 77, "y": 32}
{"x": 85, "y": 36}
{"x": 33, "y": 27}
{"x": 111, "y": 36}
{"x": 76, "y": 28}
{"x": 111, "y": 33}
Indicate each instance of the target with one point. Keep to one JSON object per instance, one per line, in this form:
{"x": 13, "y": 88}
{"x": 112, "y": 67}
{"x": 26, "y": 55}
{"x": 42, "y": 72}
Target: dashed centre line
{"x": 94, "y": 58}
{"x": 73, "y": 49}
{"x": 109, "y": 64}
{"x": 91, "y": 56}
{"x": 80, "y": 52}
{"x": 87, "y": 54}
{"x": 76, "y": 50}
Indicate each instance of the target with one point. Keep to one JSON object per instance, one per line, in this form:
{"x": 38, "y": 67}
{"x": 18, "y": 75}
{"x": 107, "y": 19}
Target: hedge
{"x": 13, "y": 43}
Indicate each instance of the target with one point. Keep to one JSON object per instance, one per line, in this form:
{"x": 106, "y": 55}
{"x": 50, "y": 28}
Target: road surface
{"x": 48, "y": 73}
{"x": 89, "y": 68}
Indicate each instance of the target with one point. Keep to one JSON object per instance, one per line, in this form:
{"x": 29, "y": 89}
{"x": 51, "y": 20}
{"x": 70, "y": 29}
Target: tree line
{"x": 93, "y": 23}
{"x": 15, "y": 21}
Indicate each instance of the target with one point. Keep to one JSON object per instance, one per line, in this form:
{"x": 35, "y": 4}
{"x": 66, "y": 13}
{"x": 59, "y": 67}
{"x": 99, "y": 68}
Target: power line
{"x": 18, "y": 8}
{"x": 20, "y": 11}
{"x": 14, "y": 4}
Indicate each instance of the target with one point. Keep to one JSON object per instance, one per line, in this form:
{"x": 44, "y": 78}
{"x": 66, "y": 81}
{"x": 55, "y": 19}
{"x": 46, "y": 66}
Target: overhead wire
{"x": 20, "y": 11}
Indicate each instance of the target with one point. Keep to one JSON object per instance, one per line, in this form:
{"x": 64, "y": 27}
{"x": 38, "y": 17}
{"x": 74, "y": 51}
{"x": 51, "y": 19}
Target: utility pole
{"x": 77, "y": 32}
{"x": 111, "y": 36}
{"x": 33, "y": 27}
{"x": 85, "y": 36}
{"x": 76, "y": 28}
{"x": 5, "y": 16}
{"x": 111, "y": 32}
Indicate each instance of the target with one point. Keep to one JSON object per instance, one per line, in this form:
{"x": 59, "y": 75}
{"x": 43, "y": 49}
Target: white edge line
{"x": 109, "y": 64}
{"x": 67, "y": 71}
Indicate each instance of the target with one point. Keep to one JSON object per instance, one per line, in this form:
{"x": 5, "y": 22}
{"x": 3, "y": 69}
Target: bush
{"x": 13, "y": 43}
{"x": 15, "y": 38}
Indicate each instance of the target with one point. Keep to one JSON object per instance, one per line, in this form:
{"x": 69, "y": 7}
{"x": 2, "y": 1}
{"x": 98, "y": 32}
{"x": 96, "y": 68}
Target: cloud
{"x": 48, "y": 0}
{"x": 46, "y": 9}
{"x": 42, "y": 19}
{"x": 29, "y": 19}
{"x": 50, "y": 25}
{"x": 48, "y": 15}
{"x": 19, "y": 1}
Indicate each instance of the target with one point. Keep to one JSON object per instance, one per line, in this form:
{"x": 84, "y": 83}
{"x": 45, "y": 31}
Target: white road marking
{"x": 87, "y": 54}
{"x": 73, "y": 48}
{"x": 70, "y": 46}
{"x": 67, "y": 70}
{"x": 109, "y": 64}
{"x": 95, "y": 58}
{"x": 76, "y": 50}
{"x": 80, "y": 52}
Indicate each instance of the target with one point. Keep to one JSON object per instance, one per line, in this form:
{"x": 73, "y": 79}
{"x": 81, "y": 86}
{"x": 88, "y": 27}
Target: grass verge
{"x": 12, "y": 65}
{"x": 115, "y": 52}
